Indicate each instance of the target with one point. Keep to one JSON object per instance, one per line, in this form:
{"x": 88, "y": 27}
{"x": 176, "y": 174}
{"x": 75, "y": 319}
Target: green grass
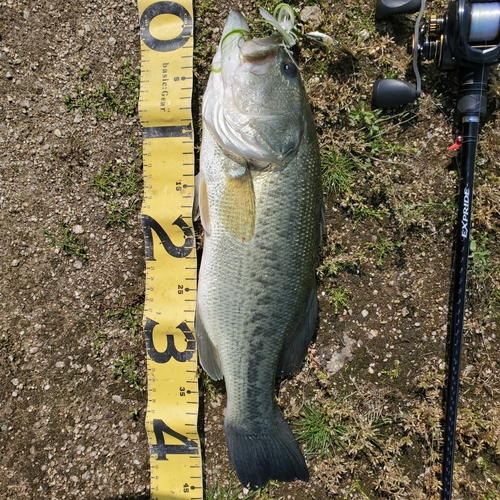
{"x": 127, "y": 368}
{"x": 121, "y": 186}
{"x": 232, "y": 490}
{"x": 383, "y": 248}
{"x": 104, "y": 100}
{"x": 368, "y": 121}
{"x": 336, "y": 423}
{"x": 83, "y": 73}
{"x": 356, "y": 488}
{"x": 117, "y": 179}
{"x": 394, "y": 373}
{"x": 68, "y": 242}
{"x": 361, "y": 212}
{"x": 218, "y": 491}
{"x": 425, "y": 214}
{"x": 338, "y": 258}
{"x": 339, "y": 170}
{"x": 315, "y": 432}
{"x": 131, "y": 315}
{"x": 338, "y": 297}
{"x": 479, "y": 255}
{"x": 99, "y": 342}
{"x": 119, "y": 214}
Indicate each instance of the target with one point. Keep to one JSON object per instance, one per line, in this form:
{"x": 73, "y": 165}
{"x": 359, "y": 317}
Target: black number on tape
{"x": 188, "y": 447}
{"x": 149, "y": 225}
{"x": 171, "y": 351}
{"x": 174, "y": 9}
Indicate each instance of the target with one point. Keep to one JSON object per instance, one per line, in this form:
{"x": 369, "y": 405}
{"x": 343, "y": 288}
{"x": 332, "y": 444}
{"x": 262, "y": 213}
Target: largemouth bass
{"x": 260, "y": 202}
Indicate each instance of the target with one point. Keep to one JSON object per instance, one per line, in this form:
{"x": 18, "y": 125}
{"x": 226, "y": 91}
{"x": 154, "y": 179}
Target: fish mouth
{"x": 235, "y": 23}
{"x": 235, "y": 31}
{"x": 259, "y": 53}
{"x": 236, "y": 47}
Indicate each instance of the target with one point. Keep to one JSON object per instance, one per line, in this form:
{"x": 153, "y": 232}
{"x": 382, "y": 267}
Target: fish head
{"x": 255, "y": 102}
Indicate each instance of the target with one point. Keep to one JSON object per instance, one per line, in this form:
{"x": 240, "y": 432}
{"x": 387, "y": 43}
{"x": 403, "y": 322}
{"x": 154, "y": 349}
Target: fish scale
{"x": 256, "y": 302}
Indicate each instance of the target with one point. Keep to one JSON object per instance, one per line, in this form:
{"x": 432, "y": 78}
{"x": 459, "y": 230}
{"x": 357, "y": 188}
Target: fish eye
{"x": 289, "y": 69}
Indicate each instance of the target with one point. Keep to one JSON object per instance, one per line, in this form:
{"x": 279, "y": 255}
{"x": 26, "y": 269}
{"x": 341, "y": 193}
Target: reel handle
{"x": 391, "y": 93}
{"x": 386, "y": 8}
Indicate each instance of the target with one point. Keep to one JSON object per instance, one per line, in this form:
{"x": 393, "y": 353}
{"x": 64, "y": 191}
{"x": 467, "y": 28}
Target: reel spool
{"x": 467, "y": 35}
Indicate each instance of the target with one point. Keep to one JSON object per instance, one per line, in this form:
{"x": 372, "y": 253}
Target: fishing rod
{"x": 467, "y": 39}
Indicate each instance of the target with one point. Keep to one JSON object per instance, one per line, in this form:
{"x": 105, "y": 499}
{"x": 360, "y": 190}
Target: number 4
{"x": 189, "y": 447}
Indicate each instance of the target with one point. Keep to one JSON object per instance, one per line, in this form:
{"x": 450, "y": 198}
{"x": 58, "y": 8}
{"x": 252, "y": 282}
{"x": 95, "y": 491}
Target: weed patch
{"x": 68, "y": 242}
{"x": 120, "y": 185}
{"x": 338, "y": 297}
{"x": 131, "y": 315}
{"x": 104, "y": 100}
{"x": 127, "y": 368}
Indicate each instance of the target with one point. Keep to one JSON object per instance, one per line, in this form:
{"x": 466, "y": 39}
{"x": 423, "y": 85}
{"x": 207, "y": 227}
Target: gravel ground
{"x": 68, "y": 427}
{"x": 72, "y": 399}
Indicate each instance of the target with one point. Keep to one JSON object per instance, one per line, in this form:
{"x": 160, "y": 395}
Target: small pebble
{"x": 77, "y": 229}
{"x": 78, "y": 264}
{"x": 112, "y": 41}
{"x": 57, "y": 132}
{"x": 14, "y": 263}
{"x": 364, "y": 35}
{"x": 312, "y": 15}
{"x": 364, "y": 313}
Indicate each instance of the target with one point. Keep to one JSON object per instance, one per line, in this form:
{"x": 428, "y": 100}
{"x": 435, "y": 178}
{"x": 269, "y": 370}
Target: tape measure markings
{"x": 170, "y": 249}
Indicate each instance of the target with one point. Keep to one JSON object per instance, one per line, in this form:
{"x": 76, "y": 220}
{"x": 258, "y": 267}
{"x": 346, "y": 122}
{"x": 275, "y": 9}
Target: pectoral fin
{"x": 238, "y": 206}
{"x": 201, "y": 203}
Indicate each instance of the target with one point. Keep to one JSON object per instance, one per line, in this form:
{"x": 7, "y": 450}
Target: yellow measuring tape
{"x": 165, "y": 111}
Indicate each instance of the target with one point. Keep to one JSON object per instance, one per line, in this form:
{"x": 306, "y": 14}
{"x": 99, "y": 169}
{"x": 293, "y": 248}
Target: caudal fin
{"x": 257, "y": 458}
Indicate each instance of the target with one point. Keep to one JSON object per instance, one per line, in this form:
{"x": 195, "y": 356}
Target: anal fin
{"x": 295, "y": 348}
{"x": 207, "y": 352}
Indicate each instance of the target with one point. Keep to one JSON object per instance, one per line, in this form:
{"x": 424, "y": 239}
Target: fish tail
{"x": 257, "y": 458}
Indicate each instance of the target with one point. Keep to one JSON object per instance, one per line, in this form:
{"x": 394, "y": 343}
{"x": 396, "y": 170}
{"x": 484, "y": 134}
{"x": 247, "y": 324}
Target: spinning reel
{"x": 467, "y": 36}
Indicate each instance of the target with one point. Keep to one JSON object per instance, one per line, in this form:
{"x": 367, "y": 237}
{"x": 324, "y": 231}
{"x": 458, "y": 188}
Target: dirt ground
{"x": 368, "y": 410}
